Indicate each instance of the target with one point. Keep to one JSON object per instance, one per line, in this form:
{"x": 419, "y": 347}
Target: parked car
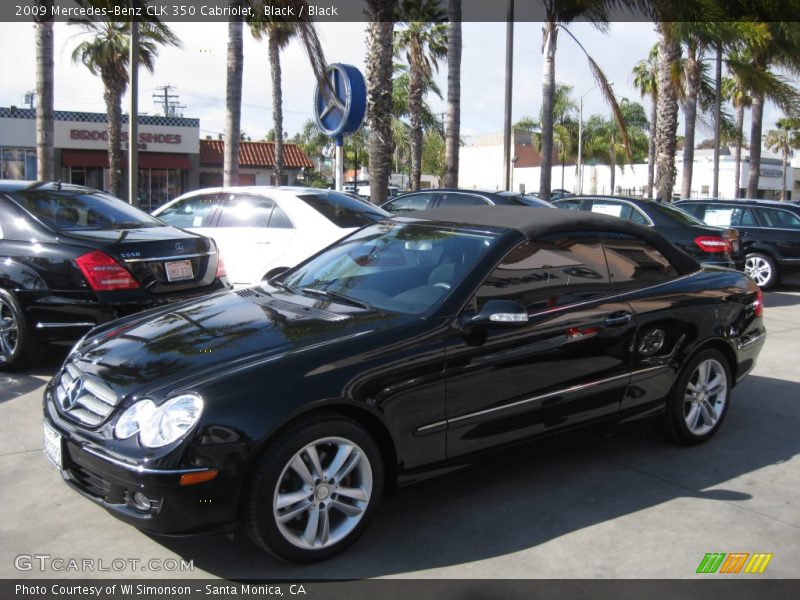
{"x": 441, "y": 198}
{"x": 73, "y": 257}
{"x": 259, "y": 228}
{"x": 409, "y": 346}
{"x": 558, "y": 193}
{"x": 769, "y": 232}
{"x": 528, "y": 199}
{"x": 708, "y": 245}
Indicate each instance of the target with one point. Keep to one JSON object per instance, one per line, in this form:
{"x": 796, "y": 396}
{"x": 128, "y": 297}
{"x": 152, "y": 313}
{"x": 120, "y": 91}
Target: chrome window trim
{"x": 138, "y": 260}
{"x": 140, "y": 468}
{"x": 569, "y": 390}
{"x": 42, "y": 325}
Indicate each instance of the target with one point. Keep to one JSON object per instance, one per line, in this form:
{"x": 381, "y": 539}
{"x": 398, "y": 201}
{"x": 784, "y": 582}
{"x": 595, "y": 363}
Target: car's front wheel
{"x": 761, "y": 269}
{"x": 314, "y": 489}
{"x": 700, "y": 398}
{"x": 18, "y": 347}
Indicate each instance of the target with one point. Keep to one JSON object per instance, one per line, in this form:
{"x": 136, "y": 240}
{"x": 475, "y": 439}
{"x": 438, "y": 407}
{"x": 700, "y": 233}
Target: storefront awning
{"x": 147, "y": 160}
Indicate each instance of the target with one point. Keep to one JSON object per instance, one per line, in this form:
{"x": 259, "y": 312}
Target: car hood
{"x": 180, "y": 344}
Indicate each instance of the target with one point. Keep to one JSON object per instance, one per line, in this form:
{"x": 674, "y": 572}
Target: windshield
{"x": 677, "y": 213}
{"x": 69, "y": 210}
{"x": 399, "y": 267}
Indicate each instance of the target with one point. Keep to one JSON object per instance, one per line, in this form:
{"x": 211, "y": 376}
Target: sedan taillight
{"x": 713, "y": 244}
{"x": 758, "y": 304}
{"x": 221, "y": 272}
{"x": 103, "y": 273}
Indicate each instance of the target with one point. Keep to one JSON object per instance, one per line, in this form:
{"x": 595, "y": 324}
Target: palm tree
{"x": 379, "y": 95}
{"x": 279, "y": 33}
{"x": 558, "y": 15}
{"x": 105, "y": 54}
{"x": 603, "y": 138}
{"x": 669, "y": 52}
{"x": 737, "y": 95}
{"x": 423, "y": 40}
{"x": 777, "y": 46}
{"x": 453, "y": 132}
{"x": 565, "y": 124}
{"x": 784, "y": 139}
{"x": 233, "y": 97}
{"x": 45, "y": 167}
{"x": 645, "y": 79}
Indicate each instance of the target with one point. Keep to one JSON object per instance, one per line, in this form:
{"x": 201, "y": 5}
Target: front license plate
{"x": 178, "y": 270}
{"x": 52, "y": 445}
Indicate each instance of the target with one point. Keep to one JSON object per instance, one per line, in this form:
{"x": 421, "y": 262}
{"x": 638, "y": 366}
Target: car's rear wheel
{"x": 761, "y": 269}
{"x": 18, "y": 347}
{"x": 315, "y": 489}
{"x": 700, "y": 398}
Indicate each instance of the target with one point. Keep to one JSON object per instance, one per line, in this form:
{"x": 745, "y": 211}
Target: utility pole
{"x": 508, "y": 141}
{"x": 168, "y": 101}
{"x": 29, "y": 97}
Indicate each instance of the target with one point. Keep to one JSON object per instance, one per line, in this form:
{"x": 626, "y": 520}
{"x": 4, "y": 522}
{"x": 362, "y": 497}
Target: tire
{"x": 300, "y": 514}
{"x": 761, "y": 269}
{"x": 699, "y": 400}
{"x": 18, "y": 346}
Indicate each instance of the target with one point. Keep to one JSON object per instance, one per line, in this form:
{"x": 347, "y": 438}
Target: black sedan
{"x": 72, "y": 258}
{"x": 409, "y": 346}
{"x": 708, "y": 245}
{"x": 445, "y": 198}
{"x": 769, "y": 230}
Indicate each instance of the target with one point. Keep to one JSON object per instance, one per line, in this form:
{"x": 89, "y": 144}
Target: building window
{"x": 92, "y": 177}
{"x": 704, "y": 190}
{"x": 18, "y": 163}
{"x": 157, "y": 186}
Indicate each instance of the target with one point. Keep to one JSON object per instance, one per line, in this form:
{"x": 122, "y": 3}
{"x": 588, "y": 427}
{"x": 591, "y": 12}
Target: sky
{"x": 197, "y": 72}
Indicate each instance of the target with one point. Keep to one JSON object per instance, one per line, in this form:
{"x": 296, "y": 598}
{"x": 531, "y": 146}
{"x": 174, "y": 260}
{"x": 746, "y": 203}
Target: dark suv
{"x": 769, "y": 231}
{"x": 72, "y": 258}
{"x": 716, "y": 246}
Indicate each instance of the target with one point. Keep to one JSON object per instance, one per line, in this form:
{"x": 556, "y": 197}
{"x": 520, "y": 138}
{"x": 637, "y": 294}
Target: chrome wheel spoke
{"x": 313, "y": 456}
{"x": 354, "y": 493}
{"x": 350, "y": 510}
{"x": 342, "y": 453}
{"x": 291, "y": 514}
{"x": 709, "y": 414}
{"x": 352, "y": 463}
{"x": 312, "y": 526}
{"x": 291, "y": 498}
{"x": 324, "y": 527}
{"x": 693, "y": 418}
{"x": 5, "y": 347}
{"x": 299, "y": 467}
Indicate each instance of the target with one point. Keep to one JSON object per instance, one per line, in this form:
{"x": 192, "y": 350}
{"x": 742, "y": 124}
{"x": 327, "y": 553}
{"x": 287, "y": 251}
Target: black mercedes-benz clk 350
{"x": 413, "y": 344}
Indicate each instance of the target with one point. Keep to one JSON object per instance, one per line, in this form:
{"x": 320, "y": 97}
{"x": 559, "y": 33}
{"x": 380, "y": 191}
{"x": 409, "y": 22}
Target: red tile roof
{"x": 253, "y": 154}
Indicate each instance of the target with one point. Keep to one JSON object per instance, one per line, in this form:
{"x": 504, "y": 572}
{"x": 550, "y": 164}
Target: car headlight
{"x": 160, "y": 425}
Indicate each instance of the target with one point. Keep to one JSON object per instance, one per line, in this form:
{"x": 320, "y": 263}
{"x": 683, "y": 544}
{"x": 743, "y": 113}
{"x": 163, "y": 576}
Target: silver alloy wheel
{"x": 9, "y": 331}
{"x": 705, "y": 397}
{"x": 322, "y": 493}
{"x": 759, "y": 269}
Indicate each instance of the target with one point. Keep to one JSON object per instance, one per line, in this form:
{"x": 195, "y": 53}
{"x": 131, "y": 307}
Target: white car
{"x": 259, "y": 228}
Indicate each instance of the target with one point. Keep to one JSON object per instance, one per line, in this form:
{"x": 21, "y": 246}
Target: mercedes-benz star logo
{"x": 179, "y": 247}
{"x": 72, "y": 393}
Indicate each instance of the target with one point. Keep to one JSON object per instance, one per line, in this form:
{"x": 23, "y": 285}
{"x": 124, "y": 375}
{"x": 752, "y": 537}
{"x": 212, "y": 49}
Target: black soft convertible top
{"x": 536, "y": 222}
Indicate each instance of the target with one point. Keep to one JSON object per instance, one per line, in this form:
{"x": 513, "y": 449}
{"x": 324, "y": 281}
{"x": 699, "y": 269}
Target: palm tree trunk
{"x": 692, "y": 73}
{"x": 277, "y": 102}
{"x": 379, "y": 96}
{"x": 669, "y": 52}
{"x": 613, "y": 162}
{"x": 233, "y": 100}
{"x": 415, "y": 110}
{"x": 651, "y": 144}
{"x": 783, "y": 168}
{"x": 453, "y": 133}
{"x": 113, "y": 98}
{"x": 45, "y": 166}
{"x": 550, "y": 34}
{"x": 738, "y": 151}
{"x": 754, "y": 166}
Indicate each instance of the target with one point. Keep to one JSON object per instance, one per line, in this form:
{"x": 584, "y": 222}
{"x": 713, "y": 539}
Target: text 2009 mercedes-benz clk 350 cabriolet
{"x": 411, "y": 345}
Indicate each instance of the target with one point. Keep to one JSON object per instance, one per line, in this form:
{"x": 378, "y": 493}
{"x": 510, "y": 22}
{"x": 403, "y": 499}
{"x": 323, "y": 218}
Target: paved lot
{"x": 622, "y": 503}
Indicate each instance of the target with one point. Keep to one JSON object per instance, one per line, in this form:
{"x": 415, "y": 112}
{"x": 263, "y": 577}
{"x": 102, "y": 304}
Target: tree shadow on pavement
{"x": 16, "y": 384}
{"x": 532, "y": 494}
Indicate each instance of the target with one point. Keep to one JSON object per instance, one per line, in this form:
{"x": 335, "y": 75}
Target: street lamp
{"x": 579, "y": 188}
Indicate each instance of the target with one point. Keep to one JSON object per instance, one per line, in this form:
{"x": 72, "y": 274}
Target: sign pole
{"x": 339, "y": 163}
{"x": 133, "y": 117}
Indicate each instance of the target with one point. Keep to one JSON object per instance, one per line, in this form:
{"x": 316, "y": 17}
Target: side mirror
{"x": 273, "y": 273}
{"x": 497, "y": 313}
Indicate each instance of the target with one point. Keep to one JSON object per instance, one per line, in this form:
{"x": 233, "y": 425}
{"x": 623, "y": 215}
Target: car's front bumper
{"x": 112, "y": 482}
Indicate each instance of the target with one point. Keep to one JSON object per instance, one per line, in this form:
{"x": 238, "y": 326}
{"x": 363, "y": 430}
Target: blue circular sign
{"x": 339, "y": 108}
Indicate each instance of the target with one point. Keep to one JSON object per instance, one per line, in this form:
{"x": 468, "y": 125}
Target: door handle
{"x": 618, "y": 319}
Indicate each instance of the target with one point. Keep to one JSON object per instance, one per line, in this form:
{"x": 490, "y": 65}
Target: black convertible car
{"x": 409, "y": 346}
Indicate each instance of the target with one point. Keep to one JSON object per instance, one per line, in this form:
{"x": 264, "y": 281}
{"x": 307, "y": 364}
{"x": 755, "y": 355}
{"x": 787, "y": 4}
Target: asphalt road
{"x": 620, "y": 503}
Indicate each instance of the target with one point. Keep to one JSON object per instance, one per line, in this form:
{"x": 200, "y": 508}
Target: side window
{"x": 196, "y": 211}
{"x": 721, "y": 216}
{"x": 246, "y": 211}
{"x": 409, "y": 202}
{"x": 696, "y": 210}
{"x": 614, "y": 209}
{"x": 279, "y": 220}
{"x": 569, "y": 204}
{"x": 550, "y": 271}
{"x": 746, "y": 218}
{"x": 457, "y": 199}
{"x": 775, "y": 217}
{"x": 635, "y": 263}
